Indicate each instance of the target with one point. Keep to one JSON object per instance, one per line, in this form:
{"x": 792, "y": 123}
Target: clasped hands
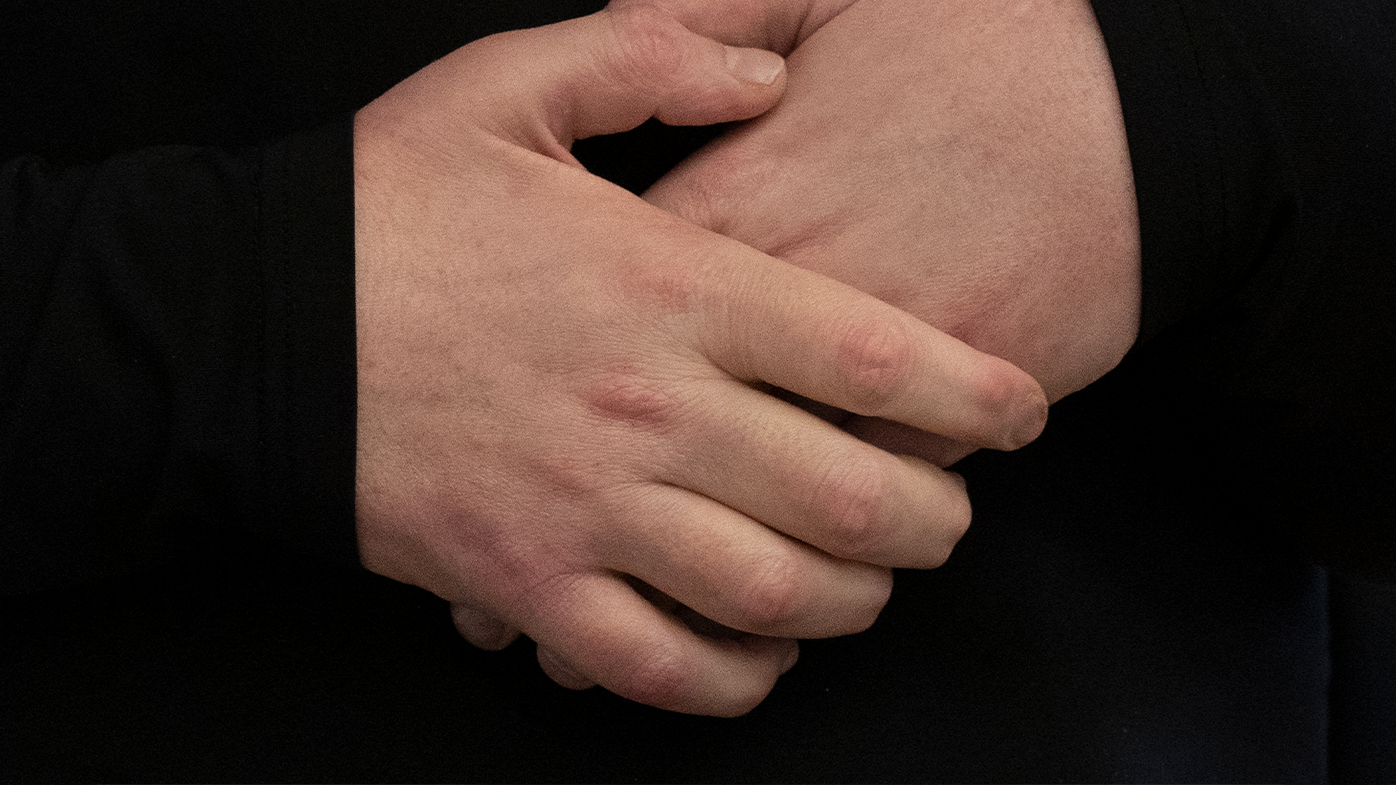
{"x": 564, "y": 424}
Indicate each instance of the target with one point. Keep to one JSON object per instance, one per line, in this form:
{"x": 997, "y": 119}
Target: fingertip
{"x": 686, "y": 78}
{"x": 561, "y": 670}
{"x": 1011, "y": 405}
{"x": 779, "y": 655}
{"x": 954, "y": 477}
{"x": 480, "y": 629}
{"x": 792, "y": 656}
{"x": 1031, "y": 416}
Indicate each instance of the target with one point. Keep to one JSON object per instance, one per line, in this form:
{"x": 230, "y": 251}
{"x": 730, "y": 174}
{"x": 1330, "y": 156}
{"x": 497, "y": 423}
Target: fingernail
{"x": 754, "y": 65}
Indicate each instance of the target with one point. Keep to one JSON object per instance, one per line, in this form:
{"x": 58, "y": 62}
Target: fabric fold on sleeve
{"x": 1261, "y": 140}
{"x": 176, "y": 357}
{"x": 309, "y": 404}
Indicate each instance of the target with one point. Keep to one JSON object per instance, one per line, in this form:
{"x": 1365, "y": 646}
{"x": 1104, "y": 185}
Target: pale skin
{"x": 559, "y": 421}
{"x": 964, "y": 160}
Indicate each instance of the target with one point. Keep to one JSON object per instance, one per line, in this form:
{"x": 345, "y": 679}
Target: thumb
{"x": 610, "y": 72}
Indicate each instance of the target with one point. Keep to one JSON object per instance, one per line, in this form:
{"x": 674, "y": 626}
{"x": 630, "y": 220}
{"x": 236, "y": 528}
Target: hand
{"x": 964, "y": 160}
{"x": 557, "y": 413}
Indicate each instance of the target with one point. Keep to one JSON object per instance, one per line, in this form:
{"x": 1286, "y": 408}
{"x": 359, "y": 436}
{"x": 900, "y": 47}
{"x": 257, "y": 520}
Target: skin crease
{"x": 970, "y": 167}
{"x": 557, "y": 381}
{"x": 964, "y": 160}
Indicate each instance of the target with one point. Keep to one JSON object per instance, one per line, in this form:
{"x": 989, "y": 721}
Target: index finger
{"x": 824, "y": 340}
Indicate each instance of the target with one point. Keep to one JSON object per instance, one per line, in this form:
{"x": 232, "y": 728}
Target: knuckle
{"x": 852, "y": 498}
{"x": 876, "y": 361}
{"x": 773, "y": 597}
{"x": 650, "y": 48}
{"x": 635, "y": 401}
{"x": 661, "y": 679}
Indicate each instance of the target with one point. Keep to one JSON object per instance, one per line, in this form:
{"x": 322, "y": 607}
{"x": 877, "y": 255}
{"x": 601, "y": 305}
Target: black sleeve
{"x": 176, "y": 356}
{"x": 1261, "y": 134}
{"x": 176, "y": 325}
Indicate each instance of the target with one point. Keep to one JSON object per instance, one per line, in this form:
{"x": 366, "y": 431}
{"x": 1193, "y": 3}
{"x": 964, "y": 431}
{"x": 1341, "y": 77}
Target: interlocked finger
{"x": 790, "y": 470}
{"x": 603, "y": 630}
{"x": 821, "y": 339}
{"x": 746, "y": 576}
